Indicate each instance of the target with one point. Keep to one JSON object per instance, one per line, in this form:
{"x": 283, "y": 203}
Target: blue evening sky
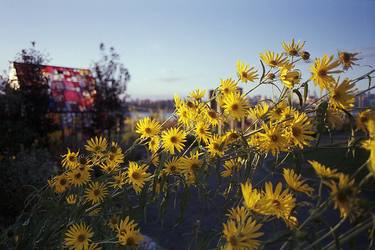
{"x": 174, "y": 46}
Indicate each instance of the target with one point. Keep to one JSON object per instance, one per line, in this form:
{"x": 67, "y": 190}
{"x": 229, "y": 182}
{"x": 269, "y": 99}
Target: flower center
{"x": 235, "y": 107}
{"x": 274, "y": 138}
{"x": 276, "y": 203}
{"x": 81, "y": 238}
{"x": 78, "y": 176}
{"x": 136, "y": 175}
{"x": 148, "y": 130}
{"x": 63, "y": 182}
{"x": 96, "y": 192}
{"x": 296, "y": 131}
{"x": 174, "y": 139}
{"x": 322, "y": 72}
{"x": 130, "y": 241}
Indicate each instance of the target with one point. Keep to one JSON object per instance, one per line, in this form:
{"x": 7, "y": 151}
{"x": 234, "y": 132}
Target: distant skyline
{"x": 175, "y": 46}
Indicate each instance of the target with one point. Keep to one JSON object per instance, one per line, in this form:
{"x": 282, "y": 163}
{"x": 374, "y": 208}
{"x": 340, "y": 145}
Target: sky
{"x": 176, "y": 46}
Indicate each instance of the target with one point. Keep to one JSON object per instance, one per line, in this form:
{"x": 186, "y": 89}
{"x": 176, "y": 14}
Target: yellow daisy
{"x": 322, "y": 71}
{"x": 197, "y": 94}
{"x": 78, "y": 236}
{"x": 77, "y": 177}
{"x": 344, "y": 194}
{"x": 231, "y": 166}
{"x": 235, "y": 105}
{"x": 137, "y": 175}
{"x": 347, "y": 59}
{"x": 289, "y": 77}
{"x": 250, "y": 196}
{"x": 281, "y": 202}
{"x": 238, "y": 214}
{"x": 227, "y": 86}
{"x": 259, "y": 111}
{"x": 172, "y": 166}
{"x": 342, "y": 96}
{"x": 147, "y": 127}
{"x": 119, "y": 180}
{"x": 273, "y": 139}
{"x": 323, "y": 171}
{"x": 128, "y": 234}
{"x": 216, "y": 145}
{"x": 300, "y": 130}
{"x": 294, "y": 182}
{"x": 202, "y": 132}
{"x": 173, "y": 140}
{"x": 96, "y": 145}
{"x": 61, "y": 183}
{"x": 70, "y": 159}
{"x": 294, "y": 48}
{"x": 96, "y": 192}
{"x": 363, "y": 118}
{"x": 273, "y": 59}
{"x": 212, "y": 117}
{"x": 244, "y": 235}
{"x": 245, "y": 73}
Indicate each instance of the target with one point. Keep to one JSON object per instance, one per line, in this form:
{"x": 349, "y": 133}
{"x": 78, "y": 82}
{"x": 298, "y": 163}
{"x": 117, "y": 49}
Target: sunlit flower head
{"x": 147, "y": 127}
{"x": 273, "y": 139}
{"x": 289, "y": 77}
{"x": 70, "y": 159}
{"x": 96, "y": 145}
{"x": 231, "y": 166}
{"x": 235, "y": 105}
{"x": 363, "y": 118}
{"x": 301, "y": 130}
{"x": 293, "y": 48}
{"x": 273, "y": 59}
{"x": 227, "y": 86}
{"x": 96, "y": 192}
{"x": 197, "y": 94}
{"x": 342, "y": 95}
{"x": 245, "y": 72}
{"x": 322, "y": 71}
{"x": 243, "y": 235}
{"x": 295, "y": 182}
{"x": 216, "y": 145}
{"x": 137, "y": 176}
{"x": 323, "y": 171}
{"x": 347, "y": 59}
{"x": 172, "y": 166}
{"x": 281, "y": 201}
{"x": 251, "y": 196}
{"x": 78, "y": 236}
{"x": 202, "y": 132}
{"x": 173, "y": 140}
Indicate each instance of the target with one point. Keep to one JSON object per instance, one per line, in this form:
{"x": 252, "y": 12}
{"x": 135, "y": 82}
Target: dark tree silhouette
{"x": 111, "y": 81}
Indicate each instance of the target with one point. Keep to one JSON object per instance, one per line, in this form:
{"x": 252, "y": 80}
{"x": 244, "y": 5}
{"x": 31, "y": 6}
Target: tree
{"x": 111, "y": 80}
{"x": 23, "y": 111}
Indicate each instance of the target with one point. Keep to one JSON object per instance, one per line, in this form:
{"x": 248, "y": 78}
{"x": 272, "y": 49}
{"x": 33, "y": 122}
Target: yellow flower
{"x": 235, "y": 105}
{"x": 238, "y": 214}
{"x": 300, "y": 130}
{"x": 202, "y": 132}
{"x": 323, "y": 171}
{"x": 60, "y": 183}
{"x": 197, "y": 94}
{"x": 363, "y": 118}
{"x": 344, "y": 194}
{"x": 347, "y": 59}
{"x": 173, "y": 140}
{"x": 147, "y": 127}
{"x": 78, "y": 236}
{"x": 259, "y": 111}
{"x": 294, "y": 182}
{"x": 212, "y": 117}
{"x": 115, "y": 155}
{"x": 96, "y": 192}
{"x": 273, "y": 139}
{"x": 216, "y": 145}
{"x": 242, "y": 235}
{"x": 227, "y": 86}
{"x": 281, "y": 203}
{"x": 137, "y": 176}
{"x": 277, "y": 111}
{"x": 154, "y": 144}
{"x": 94, "y": 246}
{"x": 273, "y": 59}
{"x": 70, "y": 159}
{"x": 190, "y": 164}
{"x": 305, "y": 55}
{"x": 342, "y": 95}
{"x": 250, "y": 196}
{"x": 172, "y": 166}
{"x": 77, "y": 177}
{"x": 289, "y": 77}
{"x": 71, "y": 199}
{"x": 119, "y": 180}
{"x": 128, "y": 234}
{"x": 96, "y": 145}
{"x": 322, "y": 71}
{"x": 294, "y": 48}
{"x": 245, "y": 73}
{"x": 231, "y": 166}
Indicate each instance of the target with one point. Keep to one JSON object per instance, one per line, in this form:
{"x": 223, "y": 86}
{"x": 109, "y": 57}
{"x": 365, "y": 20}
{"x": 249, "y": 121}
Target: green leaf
{"x": 296, "y": 91}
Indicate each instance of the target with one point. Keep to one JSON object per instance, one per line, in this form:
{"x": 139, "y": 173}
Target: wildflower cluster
{"x": 254, "y": 153}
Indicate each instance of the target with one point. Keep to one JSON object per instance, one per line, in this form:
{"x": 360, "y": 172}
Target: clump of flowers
{"x": 255, "y": 158}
